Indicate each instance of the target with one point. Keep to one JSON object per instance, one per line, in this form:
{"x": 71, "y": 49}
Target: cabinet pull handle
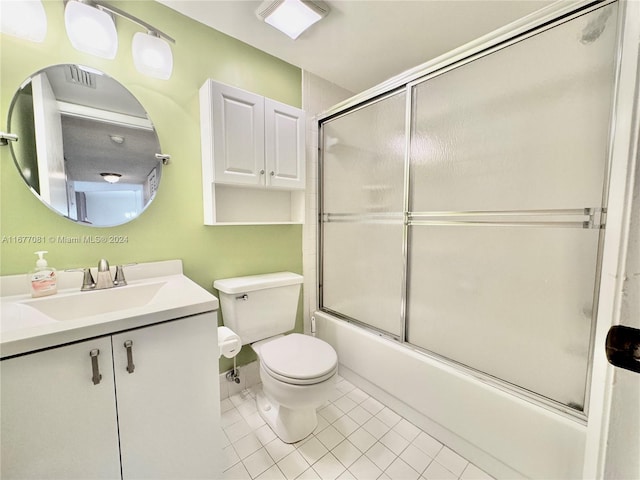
{"x": 94, "y": 366}
{"x": 129, "y": 346}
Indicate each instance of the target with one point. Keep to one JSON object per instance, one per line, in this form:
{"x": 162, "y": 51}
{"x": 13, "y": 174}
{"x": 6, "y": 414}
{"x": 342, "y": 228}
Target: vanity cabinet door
{"x": 284, "y": 145}
{"x": 167, "y": 390}
{"x": 56, "y": 423}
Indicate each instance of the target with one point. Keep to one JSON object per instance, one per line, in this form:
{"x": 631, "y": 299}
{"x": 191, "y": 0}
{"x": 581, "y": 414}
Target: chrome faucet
{"x": 103, "y": 279}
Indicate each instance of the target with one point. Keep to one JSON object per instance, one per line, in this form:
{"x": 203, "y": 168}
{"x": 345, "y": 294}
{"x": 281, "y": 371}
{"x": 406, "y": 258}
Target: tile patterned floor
{"x": 357, "y": 438}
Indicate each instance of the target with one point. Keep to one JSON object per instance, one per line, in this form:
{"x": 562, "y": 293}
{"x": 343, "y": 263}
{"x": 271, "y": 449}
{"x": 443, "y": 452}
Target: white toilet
{"x": 297, "y": 371}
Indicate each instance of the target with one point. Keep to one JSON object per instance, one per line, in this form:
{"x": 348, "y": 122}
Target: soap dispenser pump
{"x": 43, "y": 279}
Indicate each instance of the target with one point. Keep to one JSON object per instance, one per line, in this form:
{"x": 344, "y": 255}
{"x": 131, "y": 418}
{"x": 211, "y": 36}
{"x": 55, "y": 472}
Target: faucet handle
{"x": 119, "y": 279}
{"x": 88, "y": 283}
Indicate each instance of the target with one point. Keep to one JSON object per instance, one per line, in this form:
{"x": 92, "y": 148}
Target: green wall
{"x": 172, "y": 226}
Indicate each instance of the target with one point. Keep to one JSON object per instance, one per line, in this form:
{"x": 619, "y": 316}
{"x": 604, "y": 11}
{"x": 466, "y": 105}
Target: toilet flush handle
{"x": 242, "y": 297}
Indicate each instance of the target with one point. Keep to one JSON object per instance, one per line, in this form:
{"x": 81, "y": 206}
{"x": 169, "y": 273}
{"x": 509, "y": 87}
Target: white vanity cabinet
{"x": 253, "y": 157}
{"x": 55, "y": 422}
{"x": 152, "y": 413}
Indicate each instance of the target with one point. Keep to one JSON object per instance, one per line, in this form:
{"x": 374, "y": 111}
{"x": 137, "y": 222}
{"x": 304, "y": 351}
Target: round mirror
{"x": 86, "y": 147}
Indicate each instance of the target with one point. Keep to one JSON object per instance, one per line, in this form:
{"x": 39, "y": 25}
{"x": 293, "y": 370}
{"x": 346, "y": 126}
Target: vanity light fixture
{"x": 111, "y": 177}
{"x": 152, "y": 55}
{"x": 151, "y": 51}
{"x": 292, "y": 17}
{"x": 90, "y": 29}
{"x": 25, "y": 19}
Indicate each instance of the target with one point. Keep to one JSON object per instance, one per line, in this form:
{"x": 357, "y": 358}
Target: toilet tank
{"x": 259, "y": 306}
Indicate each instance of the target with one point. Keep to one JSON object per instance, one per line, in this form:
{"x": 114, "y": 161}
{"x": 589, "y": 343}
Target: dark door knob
{"x": 623, "y": 347}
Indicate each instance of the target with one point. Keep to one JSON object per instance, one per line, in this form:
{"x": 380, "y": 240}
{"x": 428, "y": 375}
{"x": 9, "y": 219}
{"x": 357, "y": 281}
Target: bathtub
{"x": 502, "y": 433}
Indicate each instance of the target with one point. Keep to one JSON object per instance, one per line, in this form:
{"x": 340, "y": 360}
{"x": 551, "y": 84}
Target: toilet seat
{"x": 299, "y": 359}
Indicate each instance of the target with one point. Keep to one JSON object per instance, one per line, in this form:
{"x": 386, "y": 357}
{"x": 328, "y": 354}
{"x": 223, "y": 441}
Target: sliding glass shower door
{"x": 508, "y": 162}
{"x": 363, "y": 172}
{"x": 474, "y": 233}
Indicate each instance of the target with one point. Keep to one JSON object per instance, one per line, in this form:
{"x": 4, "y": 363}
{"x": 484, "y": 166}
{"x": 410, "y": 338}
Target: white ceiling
{"x": 363, "y": 42}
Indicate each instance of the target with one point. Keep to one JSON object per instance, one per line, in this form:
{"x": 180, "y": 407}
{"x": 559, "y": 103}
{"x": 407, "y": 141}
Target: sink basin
{"x": 87, "y": 304}
{"x": 157, "y": 292}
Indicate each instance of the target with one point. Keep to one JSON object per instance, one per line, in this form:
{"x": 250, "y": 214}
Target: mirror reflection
{"x": 86, "y": 147}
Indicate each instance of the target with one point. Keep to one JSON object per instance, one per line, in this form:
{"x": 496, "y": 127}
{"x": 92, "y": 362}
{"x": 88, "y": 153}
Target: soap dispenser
{"x": 43, "y": 279}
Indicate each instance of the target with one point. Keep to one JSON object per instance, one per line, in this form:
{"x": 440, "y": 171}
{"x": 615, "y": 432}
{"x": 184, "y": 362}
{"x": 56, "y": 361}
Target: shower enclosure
{"x": 462, "y": 213}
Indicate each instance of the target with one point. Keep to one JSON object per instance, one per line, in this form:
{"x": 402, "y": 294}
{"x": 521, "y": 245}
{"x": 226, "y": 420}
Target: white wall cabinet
{"x": 253, "y": 164}
{"x": 157, "y": 420}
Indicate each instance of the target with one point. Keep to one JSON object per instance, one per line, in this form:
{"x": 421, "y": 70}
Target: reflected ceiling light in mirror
{"x": 152, "y": 55}
{"x": 292, "y": 17}
{"x": 25, "y": 19}
{"x": 111, "y": 177}
{"x": 90, "y": 29}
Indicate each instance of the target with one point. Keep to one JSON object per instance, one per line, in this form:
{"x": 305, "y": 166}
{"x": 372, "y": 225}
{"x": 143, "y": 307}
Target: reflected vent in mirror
{"x": 79, "y": 76}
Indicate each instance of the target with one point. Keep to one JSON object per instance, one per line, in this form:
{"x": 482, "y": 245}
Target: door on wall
{"x": 48, "y": 126}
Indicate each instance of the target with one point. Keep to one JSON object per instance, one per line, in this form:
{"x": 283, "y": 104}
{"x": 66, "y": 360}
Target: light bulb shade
{"x": 152, "y": 56}
{"x": 292, "y": 17}
{"x": 23, "y": 19}
{"x": 91, "y": 30}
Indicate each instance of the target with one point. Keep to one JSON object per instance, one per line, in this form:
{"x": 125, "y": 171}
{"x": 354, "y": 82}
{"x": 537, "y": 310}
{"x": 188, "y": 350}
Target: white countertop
{"x": 158, "y": 292}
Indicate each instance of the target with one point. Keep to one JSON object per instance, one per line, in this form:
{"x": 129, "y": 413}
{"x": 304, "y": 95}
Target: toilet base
{"x": 289, "y": 425}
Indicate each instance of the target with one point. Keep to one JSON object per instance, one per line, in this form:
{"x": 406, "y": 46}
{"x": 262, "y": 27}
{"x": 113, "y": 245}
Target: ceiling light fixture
{"x": 90, "y": 23}
{"x": 292, "y": 17}
{"x": 111, "y": 177}
{"x": 25, "y": 19}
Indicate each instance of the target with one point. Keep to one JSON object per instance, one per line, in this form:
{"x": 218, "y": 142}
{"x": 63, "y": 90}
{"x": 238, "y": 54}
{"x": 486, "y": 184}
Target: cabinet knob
{"x": 272, "y": 173}
{"x": 261, "y": 172}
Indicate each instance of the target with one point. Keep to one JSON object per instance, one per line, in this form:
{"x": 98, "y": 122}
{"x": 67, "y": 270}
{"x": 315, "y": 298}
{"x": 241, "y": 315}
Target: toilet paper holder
{"x": 229, "y": 344}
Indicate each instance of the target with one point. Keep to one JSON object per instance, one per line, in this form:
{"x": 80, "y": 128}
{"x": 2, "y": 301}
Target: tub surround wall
{"x": 172, "y": 226}
{"x": 503, "y": 434}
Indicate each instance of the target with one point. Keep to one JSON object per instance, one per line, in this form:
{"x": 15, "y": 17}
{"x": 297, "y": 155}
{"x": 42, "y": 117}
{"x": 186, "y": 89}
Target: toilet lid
{"x": 299, "y": 357}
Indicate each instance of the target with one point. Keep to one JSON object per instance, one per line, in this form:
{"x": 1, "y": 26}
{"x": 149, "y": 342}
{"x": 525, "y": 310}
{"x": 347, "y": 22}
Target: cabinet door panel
{"x": 238, "y": 135}
{"x": 284, "y": 145}
{"x": 55, "y": 422}
{"x": 169, "y": 406}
